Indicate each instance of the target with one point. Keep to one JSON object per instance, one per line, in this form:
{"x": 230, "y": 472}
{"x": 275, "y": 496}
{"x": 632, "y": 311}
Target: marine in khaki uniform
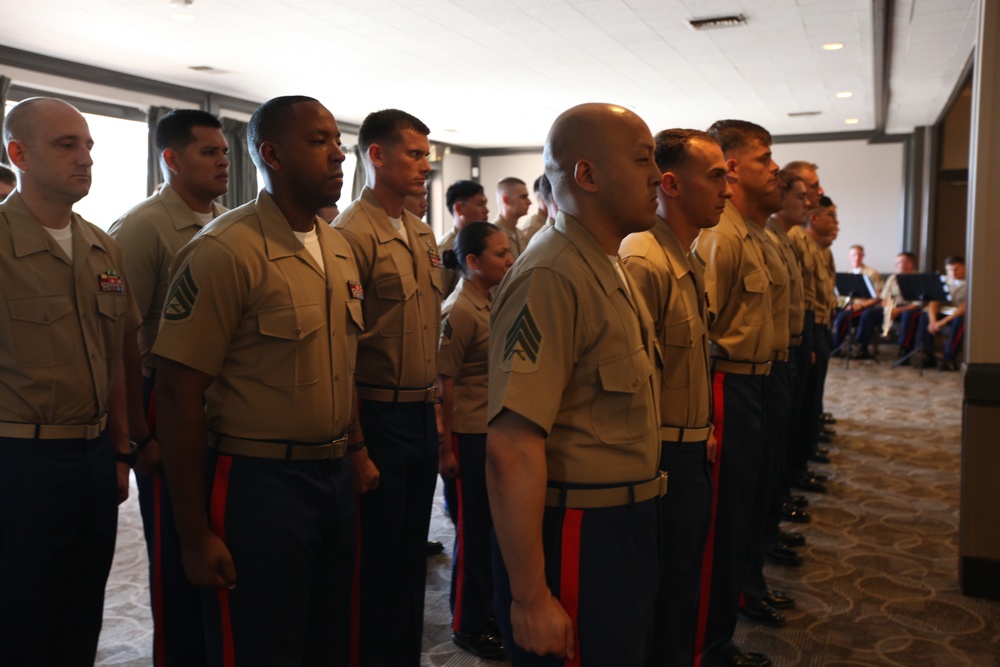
{"x": 67, "y": 310}
{"x": 573, "y": 443}
{"x": 692, "y": 195}
{"x": 513, "y": 202}
{"x": 742, "y": 347}
{"x": 467, "y": 202}
{"x": 482, "y": 256}
{"x": 193, "y": 158}
{"x": 256, "y": 362}
{"x": 400, "y": 272}
{"x": 531, "y": 225}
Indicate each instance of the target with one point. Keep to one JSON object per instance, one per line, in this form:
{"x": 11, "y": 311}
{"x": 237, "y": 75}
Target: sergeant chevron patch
{"x": 446, "y": 331}
{"x": 522, "y": 344}
{"x": 180, "y": 299}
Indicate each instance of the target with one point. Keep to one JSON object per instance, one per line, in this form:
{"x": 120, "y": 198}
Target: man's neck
{"x": 743, "y": 204}
{"x": 784, "y": 222}
{"x": 193, "y": 202}
{"x": 685, "y": 231}
{"x": 391, "y": 202}
{"x": 507, "y": 223}
{"x": 46, "y": 212}
{"x": 300, "y": 218}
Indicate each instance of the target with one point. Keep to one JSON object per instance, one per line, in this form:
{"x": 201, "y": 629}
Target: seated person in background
{"x": 948, "y": 317}
{"x": 873, "y": 319}
{"x": 843, "y": 319}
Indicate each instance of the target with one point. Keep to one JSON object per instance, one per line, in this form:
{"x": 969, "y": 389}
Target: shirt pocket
{"x": 394, "y": 293}
{"x": 42, "y": 330}
{"x": 678, "y": 339}
{"x": 290, "y": 349}
{"x": 620, "y": 412}
{"x": 113, "y": 309}
{"x": 755, "y": 285}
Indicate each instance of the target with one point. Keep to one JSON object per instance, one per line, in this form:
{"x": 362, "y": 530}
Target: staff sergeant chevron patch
{"x": 522, "y": 344}
{"x": 180, "y": 300}
{"x": 446, "y": 332}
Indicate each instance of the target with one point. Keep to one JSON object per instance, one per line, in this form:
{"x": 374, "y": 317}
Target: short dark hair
{"x": 174, "y": 129}
{"x": 386, "y": 127}
{"x": 536, "y": 187}
{"x": 798, "y": 166}
{"x": 737, "y": 135}
{"x": 461, "y": 191}
{"x": 788, "y": 179}
{"x": 470, "y": 240}
{"x": 510, "y": 180}
{"x": 7, "y": 176}
{"x": 912, "y": 257}
{"x": 269, "y": 121}
{"x": 672, "y": 147}
{"x": 545, "y": 189}
{"x": 954, "y": 259}
{"x": 825, "y": 202}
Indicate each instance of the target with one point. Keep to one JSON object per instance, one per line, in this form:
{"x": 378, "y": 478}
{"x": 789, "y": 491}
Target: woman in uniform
{"x": 482, "y": 257}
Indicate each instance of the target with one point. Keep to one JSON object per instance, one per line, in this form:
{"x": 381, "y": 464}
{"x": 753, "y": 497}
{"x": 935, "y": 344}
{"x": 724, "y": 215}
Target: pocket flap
{"x": 625, "y": 374}
{"x": 39, "y": 309}
{"x": 756, "y": 281}
{"x": 396, "y": 287}
{"x": 290, "y": 322}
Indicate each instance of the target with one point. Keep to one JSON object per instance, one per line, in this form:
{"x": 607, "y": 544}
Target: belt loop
{"x": 288, "y": 451}
{"x": 395, "y": 395}
{"x": 38, "y": 432}
{"x": 680, "y": 434}
{"x": 631, "y": 494}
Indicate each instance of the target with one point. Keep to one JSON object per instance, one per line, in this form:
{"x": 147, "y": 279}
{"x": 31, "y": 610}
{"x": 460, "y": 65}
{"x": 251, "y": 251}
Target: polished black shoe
{"x": 799, "y": 501}
{"x": 808, "y": 483}
{"x": 828, "y": 418}
{"x": 819, "y": 477}
{"x": 861, "y": 355}
{"x": 780, "y": 555}
{"x": 763, "y": 614}
{"x": 825, "y": 451}
{"x": 948, "y": 365}
{"x": 484, "y": 645}
{"x": 827, "y": 430}
{"x": 791, "y": 539}
{"x": 795, "y": 515}
{"x": 819, "y": 458}
{"x": 434, "y": 548}
{"x": 729, "y": 654}
{"x": 779, "y": 599}
{"x": 824, "y": 437}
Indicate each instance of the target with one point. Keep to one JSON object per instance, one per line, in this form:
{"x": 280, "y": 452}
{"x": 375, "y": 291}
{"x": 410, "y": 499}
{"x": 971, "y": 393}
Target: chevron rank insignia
{"x": 180, "y": 300}
{"x": 446, "y": 331}
{"x": 522, "y": 344}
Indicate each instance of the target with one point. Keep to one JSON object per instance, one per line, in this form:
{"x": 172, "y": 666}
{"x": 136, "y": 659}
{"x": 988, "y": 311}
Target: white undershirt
{"x": 398, "y": 224}
{"x": 621, "y": 274}
{"x": 204, "y": 218}
{"x": 311, "y": 241}
{"x": 64, "y": 237}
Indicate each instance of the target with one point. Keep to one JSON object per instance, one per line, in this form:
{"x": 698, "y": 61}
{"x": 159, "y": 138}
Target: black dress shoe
{"x": 780, "y": 555}
{"x": 795, "y": 515}
{"x": 819, "y": 458}
{"x": 791, "y": 539}
{"x": 819, "y": 477}
{"x": 948, "y": 365}
{"x": 808, "y": 483}
{"x": 729, "y": 654}
{"x": 825, "y": 438}
{"x": 861, "y": 355}
{"x": 832, "y": 432}
{"x": 779, "y": 599}
{"x": 434, "y": 548}
{"x": 827, "y": 418}
{"x": 484, "y": 645}
{"x": 825, "y": 451}
{"x": 799, "y": 501}
{"x": 763, "y": 614}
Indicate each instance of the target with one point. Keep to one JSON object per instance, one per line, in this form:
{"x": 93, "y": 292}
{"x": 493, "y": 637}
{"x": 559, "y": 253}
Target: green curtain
{"x": 242, "y": 171}
{"x": 154, "y": 176}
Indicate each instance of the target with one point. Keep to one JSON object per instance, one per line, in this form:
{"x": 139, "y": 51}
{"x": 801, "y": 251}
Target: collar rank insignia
{"x": 432, "y": 254}
{"x": 356, "y": 290}
{"x": 109, "y": 281}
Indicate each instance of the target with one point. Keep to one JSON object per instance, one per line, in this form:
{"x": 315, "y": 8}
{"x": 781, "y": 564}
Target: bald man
{"x": 513, "y": 202}
{"x": 67, "y": 311}
{"x": 573, "y": 442}
{"x": 256, "y": 358}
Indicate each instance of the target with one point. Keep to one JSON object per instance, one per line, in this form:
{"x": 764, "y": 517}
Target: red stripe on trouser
{"x": 958, "y": 341}
{"x": 355, "y": 648}
{"x": 910, "y": 330}
{"x": 217, "y": 519}
{"x": 705, "y": 587}
{"x": 159, "y": 641}
{"x": 456, "y": 619}
{"x": 569, "y": 575}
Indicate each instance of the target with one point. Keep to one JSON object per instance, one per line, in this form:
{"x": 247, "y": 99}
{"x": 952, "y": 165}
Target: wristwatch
{"x": 133, "y": 450}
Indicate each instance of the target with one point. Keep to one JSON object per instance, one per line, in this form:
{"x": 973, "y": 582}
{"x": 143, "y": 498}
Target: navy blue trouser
{"x": 389, "y": 594}
{"x": 955, "y": 330}
{"x": 769, "y": 493}
{"x": 290, "y": 527}
{"x": 178, "y": 631}
{"x": 58, "y": 520}
{"x": 801, "y": 434}
{"x": 471, "y": 572}
{"x": 739, "y": 434}
{"x": 604, "y": 566}
{"x": 687, "y": 509}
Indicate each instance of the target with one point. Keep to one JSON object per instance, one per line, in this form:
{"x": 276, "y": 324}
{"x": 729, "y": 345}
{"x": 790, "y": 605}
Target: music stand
{"x": 922, "y": 287}
{"x": 853, "y": 286}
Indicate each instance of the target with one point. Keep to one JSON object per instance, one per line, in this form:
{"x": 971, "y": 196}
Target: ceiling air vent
{"x": 799, "y": 114}
{"x": 207, "y": 69}
{"x": 718, "y": 22}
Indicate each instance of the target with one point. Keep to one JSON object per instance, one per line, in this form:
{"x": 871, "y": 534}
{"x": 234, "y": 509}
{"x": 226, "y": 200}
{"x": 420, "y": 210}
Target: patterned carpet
{"x": 879, "y": 584}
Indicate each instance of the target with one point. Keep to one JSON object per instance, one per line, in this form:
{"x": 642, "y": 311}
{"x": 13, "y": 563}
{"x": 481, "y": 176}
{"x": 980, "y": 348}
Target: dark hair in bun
{"x": 471, "y": 240}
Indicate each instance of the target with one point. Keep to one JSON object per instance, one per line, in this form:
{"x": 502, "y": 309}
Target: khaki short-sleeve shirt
{"x": 796, "y": 295}
{"x": 249, "y": 305}
{"x": 737, "y": 284}
{"x": 402, "y": 303}
{"x": 574, "y": 353}
{"x": 780, "y": 287}
{"x": 826, "y": 278}
{"x": 672, "y": 282}
{"x": 150, "y": 235}
{"x": 464, "y": 355}
{"x": 807, "y": 265}
{"x": 62, "y": 323}
{"x": 449, "y": 277}
{"x": 518, "y": 238}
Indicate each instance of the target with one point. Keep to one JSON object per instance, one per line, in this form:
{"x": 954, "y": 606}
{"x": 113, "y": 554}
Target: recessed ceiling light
{"x": 833, "y": 46}
{"x": 852, "y": 121}
{"x": 845, "y": 94}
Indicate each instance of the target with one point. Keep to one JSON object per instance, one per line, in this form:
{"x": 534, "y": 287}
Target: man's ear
{"x": 17, "y": 154}
{"x": 376, "y": 156}
{"x": 585, "y": 175}
{"x": 169, "y": 158}
{"x": 269, "y": 155}
{"x": 670, "y": 184}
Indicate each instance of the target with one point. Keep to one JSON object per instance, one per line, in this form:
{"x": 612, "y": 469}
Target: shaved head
{"x": 20, "y": 124}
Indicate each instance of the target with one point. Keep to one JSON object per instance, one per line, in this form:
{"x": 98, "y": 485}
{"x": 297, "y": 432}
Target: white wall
{"x": 492, "y": 169}
{"x": 865, "y": 181}
{"x": 454, "y": 167}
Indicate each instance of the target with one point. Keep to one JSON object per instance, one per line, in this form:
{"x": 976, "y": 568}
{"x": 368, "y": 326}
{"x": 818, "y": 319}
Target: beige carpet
{"x": 879, "y": 585}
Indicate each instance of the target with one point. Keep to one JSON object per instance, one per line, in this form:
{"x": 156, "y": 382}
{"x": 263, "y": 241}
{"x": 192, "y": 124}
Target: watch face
{"x": 133, "y": 446}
